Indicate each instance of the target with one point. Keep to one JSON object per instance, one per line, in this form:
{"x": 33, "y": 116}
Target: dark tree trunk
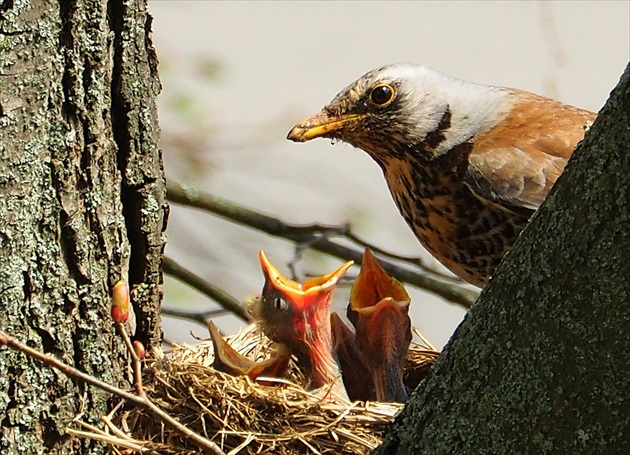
{"x": 541, "y": 365}
{"x": 82, "y": 205}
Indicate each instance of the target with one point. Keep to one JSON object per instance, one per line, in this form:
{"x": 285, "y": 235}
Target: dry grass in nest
{"x": 249, "y": 417}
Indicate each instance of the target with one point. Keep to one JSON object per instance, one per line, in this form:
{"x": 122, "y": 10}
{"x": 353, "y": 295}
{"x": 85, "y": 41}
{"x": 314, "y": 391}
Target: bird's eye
{"x": 382, "y": 95}
{"x": 280, "y": 304}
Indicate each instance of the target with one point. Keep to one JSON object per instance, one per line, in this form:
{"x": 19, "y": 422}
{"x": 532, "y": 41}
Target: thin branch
{"x": 217, "y": 294}
{"x": 136, "y": 362}
{"x": 317, "y": 237}
{"x": 200, "y": 317}
{"x": 415, "y": 261}
{"x": 141, "y": 401}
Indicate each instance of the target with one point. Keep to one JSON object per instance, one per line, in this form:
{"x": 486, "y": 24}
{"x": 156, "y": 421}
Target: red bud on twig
{"x": 120, "y": 302}
{"x": 141, "y": 352}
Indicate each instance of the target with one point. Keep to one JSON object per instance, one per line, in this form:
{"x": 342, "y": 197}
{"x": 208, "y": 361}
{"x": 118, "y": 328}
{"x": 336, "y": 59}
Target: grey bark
{"x": 541, "y": 364}
{"x": 82, "y": 205}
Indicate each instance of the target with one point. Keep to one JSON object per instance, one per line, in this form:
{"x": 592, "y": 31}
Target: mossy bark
{"x": 82, "y": 205}
{"x": 541, "y": 364}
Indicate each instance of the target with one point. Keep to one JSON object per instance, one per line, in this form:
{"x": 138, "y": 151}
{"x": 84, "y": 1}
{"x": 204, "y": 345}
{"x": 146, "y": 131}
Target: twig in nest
{"x": 140, "y": 400}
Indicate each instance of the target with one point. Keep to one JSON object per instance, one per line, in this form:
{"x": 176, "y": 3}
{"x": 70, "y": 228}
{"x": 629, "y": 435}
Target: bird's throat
{"x": 323, "y": 366}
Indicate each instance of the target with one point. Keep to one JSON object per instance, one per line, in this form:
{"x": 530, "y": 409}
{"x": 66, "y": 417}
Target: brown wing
{"x": 516, "y": 163}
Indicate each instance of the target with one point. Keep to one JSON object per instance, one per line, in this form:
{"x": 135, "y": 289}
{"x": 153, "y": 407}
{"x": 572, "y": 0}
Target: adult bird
{"x": 467, "y": 164}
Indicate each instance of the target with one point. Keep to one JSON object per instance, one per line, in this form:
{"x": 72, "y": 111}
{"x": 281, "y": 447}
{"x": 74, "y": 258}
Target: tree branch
{"x": 200, "y": 317}
{"x": 317, "y": 237}
{"x": 217, "y": 294}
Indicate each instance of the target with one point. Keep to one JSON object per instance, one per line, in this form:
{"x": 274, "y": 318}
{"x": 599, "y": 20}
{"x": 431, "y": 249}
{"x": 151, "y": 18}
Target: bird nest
{"x": 242, "y": 416}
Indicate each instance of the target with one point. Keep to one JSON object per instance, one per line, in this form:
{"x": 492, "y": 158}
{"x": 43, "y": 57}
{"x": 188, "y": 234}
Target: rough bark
{"x": 541, "y": 364}
{"x": 82, "y": 205}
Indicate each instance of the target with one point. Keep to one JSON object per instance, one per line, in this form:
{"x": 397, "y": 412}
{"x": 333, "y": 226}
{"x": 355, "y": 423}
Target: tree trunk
{"x": 82, "y": 205}
{"x": 541, "y": 364}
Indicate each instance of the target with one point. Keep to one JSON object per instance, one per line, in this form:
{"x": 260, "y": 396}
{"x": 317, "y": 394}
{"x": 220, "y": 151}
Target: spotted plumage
{"x": 467, "y": 164}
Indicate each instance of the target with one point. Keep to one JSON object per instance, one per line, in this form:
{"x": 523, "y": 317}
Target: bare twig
{"x": 318, "y": 237}
{"x": 140, "y": 400}
{"x": 411, "y": 260}
{"x": 217, "y": 294}
{"x": 200, "y": 317}
{"x": 136, "y": 362}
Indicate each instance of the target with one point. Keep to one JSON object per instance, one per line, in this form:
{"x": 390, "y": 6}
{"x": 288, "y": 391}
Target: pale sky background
{"x": 278, "y": 62}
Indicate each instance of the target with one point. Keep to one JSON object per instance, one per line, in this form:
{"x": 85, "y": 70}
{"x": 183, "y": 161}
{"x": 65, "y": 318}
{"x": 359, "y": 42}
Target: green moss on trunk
{"x": 69, "y": 228}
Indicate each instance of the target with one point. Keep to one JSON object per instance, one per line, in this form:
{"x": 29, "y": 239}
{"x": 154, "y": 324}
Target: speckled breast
{"x": 467, "y": 234}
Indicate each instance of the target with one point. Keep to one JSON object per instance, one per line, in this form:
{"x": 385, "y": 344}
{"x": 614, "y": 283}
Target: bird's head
{"x": 297, "y": 314}
{"x": 379, "y": 311}
{"x": 400, "y": 109}
{"x": 372, "y": 285}
{"x": 229, "y": 360}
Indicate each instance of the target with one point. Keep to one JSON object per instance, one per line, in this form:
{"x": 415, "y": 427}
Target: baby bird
{"x": 379, "y": 311}
{"x": 357, "y": 378}
{"x": 230, "y": 361}
{"x": 298, "y": 316}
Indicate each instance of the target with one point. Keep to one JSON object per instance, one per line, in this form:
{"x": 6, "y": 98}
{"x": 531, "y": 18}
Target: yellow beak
{"x": 321, "y": 124}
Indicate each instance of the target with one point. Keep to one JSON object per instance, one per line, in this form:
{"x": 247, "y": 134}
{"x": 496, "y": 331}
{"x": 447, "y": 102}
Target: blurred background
{"x": 238, "y": 75}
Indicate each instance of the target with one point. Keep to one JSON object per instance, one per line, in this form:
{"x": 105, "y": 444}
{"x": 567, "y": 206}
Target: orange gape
{"x": 297, "y": 315}
{"x": 379, "y": 311}
{"x": 467, "y": 164}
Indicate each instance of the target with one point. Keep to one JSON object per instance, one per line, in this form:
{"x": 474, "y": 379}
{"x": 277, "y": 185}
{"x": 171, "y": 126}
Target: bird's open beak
{"x": 230, "y": 361}
{"x": 302, "y": 294}
{"x": 320, "y": 125}
{"x": 273, "y": 275}
{"x": 374, "y": 284}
